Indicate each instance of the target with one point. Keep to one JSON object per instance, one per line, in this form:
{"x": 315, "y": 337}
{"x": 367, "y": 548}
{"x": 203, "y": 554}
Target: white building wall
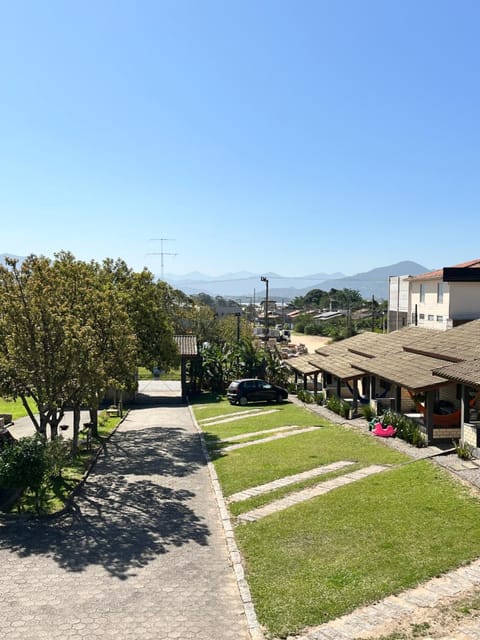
{"x": 431, "y": 314}
{"x": 465, "y": 300}
{"x": 398, "y": 293}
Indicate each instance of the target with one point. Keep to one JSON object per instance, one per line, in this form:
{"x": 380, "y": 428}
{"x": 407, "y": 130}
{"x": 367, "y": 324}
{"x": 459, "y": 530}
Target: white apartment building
{"x": 439, "y": 299}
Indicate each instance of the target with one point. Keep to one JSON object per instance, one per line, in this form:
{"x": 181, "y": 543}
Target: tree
{"x": 146, "y": 303}
{"x": 64, "y": 337}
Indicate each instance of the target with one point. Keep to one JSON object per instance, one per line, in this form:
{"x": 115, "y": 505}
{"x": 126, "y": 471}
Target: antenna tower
{"x": 162, "y": 253}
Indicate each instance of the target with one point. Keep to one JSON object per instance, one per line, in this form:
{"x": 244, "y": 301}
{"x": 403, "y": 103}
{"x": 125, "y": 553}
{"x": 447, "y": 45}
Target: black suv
{"x": 254, "y": 390}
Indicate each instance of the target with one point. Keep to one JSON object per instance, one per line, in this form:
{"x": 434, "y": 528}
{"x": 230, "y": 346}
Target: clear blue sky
{"x": 261, "y": 135}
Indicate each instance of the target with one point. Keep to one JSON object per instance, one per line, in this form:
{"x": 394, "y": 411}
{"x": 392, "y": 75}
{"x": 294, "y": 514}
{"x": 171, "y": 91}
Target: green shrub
{"x": 407, "y": 429}
{"x": 463, "y": 450}
{"x": 319, "y": 397}
{"x": 368, "y": 412}
{"x": 58, "y": 453}
{"x": 24, "y": 465}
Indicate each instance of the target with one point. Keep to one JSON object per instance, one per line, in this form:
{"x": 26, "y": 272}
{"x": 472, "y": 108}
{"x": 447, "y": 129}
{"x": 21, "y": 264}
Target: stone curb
{"x": 253, "y": 625}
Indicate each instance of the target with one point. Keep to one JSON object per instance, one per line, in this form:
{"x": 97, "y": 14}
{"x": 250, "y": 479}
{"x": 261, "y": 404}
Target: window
{"x": 439, "y": 318}
{"x": 440, "y": 293}
{"x": 422, "y": 316}
{"x": 422, "y": 293}
{"x": 430, "y": 317}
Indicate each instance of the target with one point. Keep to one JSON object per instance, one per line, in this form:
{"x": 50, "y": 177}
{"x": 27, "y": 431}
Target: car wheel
{"x": 243, "y": 401}
{"x": 278, "y": 398}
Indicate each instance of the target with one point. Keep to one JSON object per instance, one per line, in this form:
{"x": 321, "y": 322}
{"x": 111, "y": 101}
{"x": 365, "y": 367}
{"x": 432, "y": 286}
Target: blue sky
{"x": 267, "y": 136}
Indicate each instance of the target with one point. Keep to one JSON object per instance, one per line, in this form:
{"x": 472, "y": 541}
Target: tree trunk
{"x": 32, "y": 417}
{"x": 94, "y": 421}
{"x": 43, "y": 424}
{"x": 76, "y": 430}
{"x": 55, "y": 419}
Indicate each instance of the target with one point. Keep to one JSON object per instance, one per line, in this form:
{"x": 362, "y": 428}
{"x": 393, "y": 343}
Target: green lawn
{"x": 325, "y": 557}
{"x": 15, "y": 407}
{"x": 328, "y": 556}
{"x": 147, "y": 374}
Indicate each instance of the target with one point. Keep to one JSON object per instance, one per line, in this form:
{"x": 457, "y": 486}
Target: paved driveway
{"x": 140, "y": 556}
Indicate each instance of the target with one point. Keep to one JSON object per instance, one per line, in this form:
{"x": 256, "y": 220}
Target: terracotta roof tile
{"x": 438, "y": 273}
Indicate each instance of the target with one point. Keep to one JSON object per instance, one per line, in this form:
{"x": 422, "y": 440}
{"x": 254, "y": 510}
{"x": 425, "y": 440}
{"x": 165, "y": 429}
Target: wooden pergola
{"x": 188, "y": 352}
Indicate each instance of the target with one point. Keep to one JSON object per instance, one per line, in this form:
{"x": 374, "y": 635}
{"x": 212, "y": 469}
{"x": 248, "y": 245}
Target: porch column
{"x": 339, "y": 388}
{"x": 355, "y": 394}
{"x": 398, "y": 399}
{"x": 428, "y": 416}
{"x": 315, "y": 383}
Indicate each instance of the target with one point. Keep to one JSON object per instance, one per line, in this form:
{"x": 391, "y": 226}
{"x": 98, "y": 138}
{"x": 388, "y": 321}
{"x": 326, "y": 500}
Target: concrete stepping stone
{"x": 430, "y": 594}
{"x": 231, "y": 415}
{"x": 279, "y": 436}
{"x": 241, "y": 416}
{"x": 309, "y": 493}
{"x": 288, "y": 480}
{"x": 250, "y": 434}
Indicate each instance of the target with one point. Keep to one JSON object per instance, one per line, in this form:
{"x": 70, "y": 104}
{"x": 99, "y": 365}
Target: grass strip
{"x": 251, "y": 466}
{"x": 362, "y": 542}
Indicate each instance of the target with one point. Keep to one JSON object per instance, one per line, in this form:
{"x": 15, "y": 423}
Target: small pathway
{"x": 236, "y": 417}
{"x": 141, "y": 555}
{"x": 310, "y": 492}
{"x": 374, "y": 620}
{"x": 288, "y": 480}
{"x": 253, "y": 434}
{"x": 243, "y": 414}
{"x": 279, "y": 436}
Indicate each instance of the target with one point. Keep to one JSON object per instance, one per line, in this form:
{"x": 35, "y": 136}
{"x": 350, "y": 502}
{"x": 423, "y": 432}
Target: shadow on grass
{"x": 120, "y": 519}
{"x": 214, "y": 445}
{"x": 207, "y": 398}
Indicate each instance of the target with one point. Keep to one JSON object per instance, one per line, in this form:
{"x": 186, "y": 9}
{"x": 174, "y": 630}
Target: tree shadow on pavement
{"x": 166, "y": 451}
{"x": 121, "y": 520}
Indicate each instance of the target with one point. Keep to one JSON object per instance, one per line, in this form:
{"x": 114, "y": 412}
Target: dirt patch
{"x": 440, "y": 622}
{"x": 311, "y": 342}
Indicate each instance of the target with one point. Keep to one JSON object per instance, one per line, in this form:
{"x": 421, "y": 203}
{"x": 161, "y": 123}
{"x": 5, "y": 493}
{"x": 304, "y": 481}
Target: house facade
{"x": 439, "y": 299}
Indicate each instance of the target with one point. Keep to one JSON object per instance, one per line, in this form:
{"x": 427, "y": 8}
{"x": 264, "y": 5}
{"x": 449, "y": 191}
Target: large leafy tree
{"x": 64, "y": 337}
{"x": 150, "y": 307}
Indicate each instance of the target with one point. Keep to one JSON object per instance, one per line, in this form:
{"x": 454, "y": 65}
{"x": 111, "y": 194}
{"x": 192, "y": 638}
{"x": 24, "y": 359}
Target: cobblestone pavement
{"x": 141, "y": 555}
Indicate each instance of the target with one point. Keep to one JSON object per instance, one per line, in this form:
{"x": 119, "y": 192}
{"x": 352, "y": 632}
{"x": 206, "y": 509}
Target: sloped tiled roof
{"x": 341, "y": 364}
{"x": 462, "y": 372}
{"x": 187, "y": 345}
{"x": 303, "y": 365}
{"x": 409, "y": 370}
{"x": 438, "y": 273}
{"x": 457, "y": 344}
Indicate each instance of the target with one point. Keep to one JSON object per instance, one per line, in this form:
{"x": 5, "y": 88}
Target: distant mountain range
{"x": 246, "y": 285}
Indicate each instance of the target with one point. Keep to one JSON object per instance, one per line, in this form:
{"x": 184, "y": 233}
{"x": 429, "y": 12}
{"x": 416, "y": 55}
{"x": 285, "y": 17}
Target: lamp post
{"x": 264, "y": 279}
{"x": 237, "y": 315}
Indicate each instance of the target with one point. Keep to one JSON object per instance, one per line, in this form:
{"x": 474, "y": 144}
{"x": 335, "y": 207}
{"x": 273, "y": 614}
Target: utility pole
{"x": 162, "y": 253}
{"x": 264, "y": 279}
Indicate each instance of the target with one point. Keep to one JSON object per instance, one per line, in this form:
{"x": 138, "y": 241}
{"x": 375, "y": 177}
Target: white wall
{"x": 436, "y": 315}
{"x": 465, "y": 300}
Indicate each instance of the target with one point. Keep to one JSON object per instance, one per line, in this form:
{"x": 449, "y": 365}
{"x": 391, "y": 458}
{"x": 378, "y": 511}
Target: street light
{"x": 264, "y": 279}
{"x": 237, "y": 315}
